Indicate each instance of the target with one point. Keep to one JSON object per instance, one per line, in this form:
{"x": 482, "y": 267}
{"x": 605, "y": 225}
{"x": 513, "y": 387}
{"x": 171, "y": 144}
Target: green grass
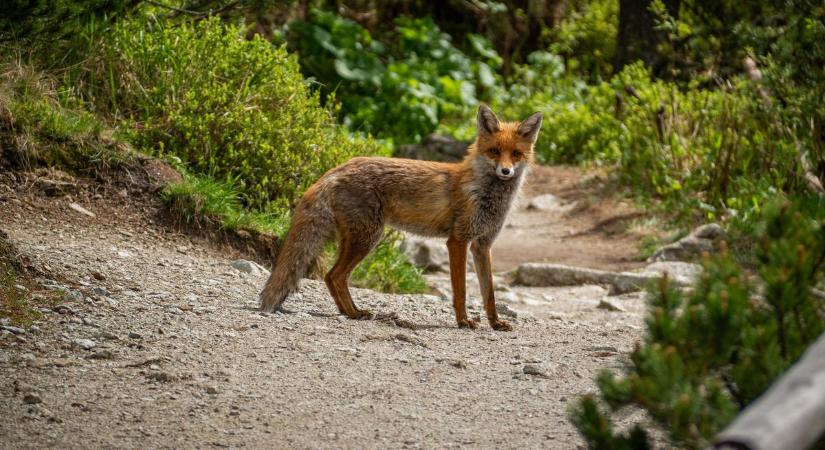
{"x": 40, "y": 126}
{"x": 203, "y": 201}
{"x": 648, "y": 246}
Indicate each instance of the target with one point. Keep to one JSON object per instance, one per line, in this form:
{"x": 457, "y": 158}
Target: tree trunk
{"x": 638, "y": 38}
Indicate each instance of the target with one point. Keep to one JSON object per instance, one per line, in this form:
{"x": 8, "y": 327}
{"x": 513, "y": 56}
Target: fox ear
{"x": 529, "y": 127}
{"x": 487, "y": 121}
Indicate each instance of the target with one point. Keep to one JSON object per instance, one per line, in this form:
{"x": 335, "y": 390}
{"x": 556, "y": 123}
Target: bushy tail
{"x": 311, "y": 229}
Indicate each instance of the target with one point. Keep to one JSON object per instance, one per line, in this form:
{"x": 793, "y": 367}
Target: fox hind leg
{"x": 353, "y": 247}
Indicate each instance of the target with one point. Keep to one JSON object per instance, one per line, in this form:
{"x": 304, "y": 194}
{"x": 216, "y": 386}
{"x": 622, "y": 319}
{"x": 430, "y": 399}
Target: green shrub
{"x": 586, "y": 38}
{"x": 400, "y": 91}
{"x": 236, "y": 116}
{"x": 707, "y": 154}
{"x": 780, "y": 44}
{"x": 721, "y": 152}
{"x": 711, "y": 352}
{"x": 41, "y": 22}
{"x": 233, "y": 108}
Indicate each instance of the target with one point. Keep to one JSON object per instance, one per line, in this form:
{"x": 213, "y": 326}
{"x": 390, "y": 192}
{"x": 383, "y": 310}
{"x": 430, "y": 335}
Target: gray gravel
{"x": 174, "y": 353}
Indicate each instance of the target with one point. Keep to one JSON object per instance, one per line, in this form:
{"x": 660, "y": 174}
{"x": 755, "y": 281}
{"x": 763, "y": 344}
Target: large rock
{"x": 545, "y": 274}
{"x": 549, "y": 202}
{"x": 703, "y": 239}
{"x": 54, "y": 188}
{"x": 435, "y": 147}
{"x": 85, "y": 344}
{"x": 683, "y": 273}
{"x": 249, "y": 267}
{"x": 430, "y": 254}
{"x": 711, "y": 231}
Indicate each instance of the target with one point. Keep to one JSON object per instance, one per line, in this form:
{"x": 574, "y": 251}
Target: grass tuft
{"x": 387, "y": 269}
{"x": 42, "y": 126}
{"x": 16, "y": 302}
{"x": 202, "y": 201}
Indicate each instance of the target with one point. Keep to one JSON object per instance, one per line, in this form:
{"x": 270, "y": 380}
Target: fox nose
{"x": 505, "y": 173}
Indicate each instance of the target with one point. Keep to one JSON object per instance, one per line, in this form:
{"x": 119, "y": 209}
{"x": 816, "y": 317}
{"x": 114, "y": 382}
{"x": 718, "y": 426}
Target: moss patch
{"x": 16, "y": 286}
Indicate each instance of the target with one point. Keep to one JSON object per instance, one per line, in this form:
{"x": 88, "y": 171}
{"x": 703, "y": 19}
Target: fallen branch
{"x": 790, "y": 415}
{"x": 812, "y": 182}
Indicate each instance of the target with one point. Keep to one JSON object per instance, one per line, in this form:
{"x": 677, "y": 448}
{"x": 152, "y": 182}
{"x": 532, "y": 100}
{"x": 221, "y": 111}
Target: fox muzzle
{"x": 505, "y": 173}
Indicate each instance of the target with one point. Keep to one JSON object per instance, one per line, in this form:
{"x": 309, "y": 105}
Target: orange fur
{"x": 465, "y": 202}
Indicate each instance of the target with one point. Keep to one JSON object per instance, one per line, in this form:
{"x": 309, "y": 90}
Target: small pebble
{"x": 64, "y": 309}
{"x": 102, "y": 291}
{"x": 32, "y": 399}
{"x": 103, "y": 354}
{"x": 15, "y": 330}
{"x": 534, "y": 370}
{"x": 85, "y": 344}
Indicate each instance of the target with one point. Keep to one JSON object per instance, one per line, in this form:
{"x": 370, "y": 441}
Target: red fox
{"x": 465, "y": 202}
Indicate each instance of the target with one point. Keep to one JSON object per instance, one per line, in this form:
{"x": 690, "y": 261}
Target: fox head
{"x": 506, "y": 147}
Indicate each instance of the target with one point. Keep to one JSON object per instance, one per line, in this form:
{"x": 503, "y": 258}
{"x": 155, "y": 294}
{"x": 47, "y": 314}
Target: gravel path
{"x": 159, "y": 345}
{"x": 580, "y": 222}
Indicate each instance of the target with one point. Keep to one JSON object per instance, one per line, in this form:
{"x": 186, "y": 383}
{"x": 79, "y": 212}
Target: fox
{"x": 465, "y": 202}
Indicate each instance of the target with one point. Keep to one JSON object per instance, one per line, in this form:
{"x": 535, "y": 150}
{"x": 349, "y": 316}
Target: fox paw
{"x": 500, "y": 325}
{"x": 362, "y": 314}
{"x": 468, "y": 323}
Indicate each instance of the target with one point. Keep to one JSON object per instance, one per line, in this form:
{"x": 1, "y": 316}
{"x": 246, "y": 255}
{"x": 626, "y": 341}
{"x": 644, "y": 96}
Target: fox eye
{"x": 494, "y": 150}
{"x": 517, "y": 154}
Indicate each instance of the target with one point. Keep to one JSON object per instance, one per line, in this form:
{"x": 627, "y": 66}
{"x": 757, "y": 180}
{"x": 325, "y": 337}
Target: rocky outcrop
{"x": 703, "y": 239}
{"x": 680, "y": 272}
{"x": 544, "y": 274}
{"x": 435, "y": 147}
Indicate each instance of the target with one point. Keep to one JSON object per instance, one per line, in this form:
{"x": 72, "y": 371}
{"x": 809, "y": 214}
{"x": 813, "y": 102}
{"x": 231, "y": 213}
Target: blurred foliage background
{"x": 702, "y": 110}
{"x": 711, "y": 107}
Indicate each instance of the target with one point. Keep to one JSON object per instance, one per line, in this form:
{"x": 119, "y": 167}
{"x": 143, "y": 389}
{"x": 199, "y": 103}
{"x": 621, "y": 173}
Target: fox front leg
{"x": 484, "y": 270}
{"x": 458, "y": 267}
